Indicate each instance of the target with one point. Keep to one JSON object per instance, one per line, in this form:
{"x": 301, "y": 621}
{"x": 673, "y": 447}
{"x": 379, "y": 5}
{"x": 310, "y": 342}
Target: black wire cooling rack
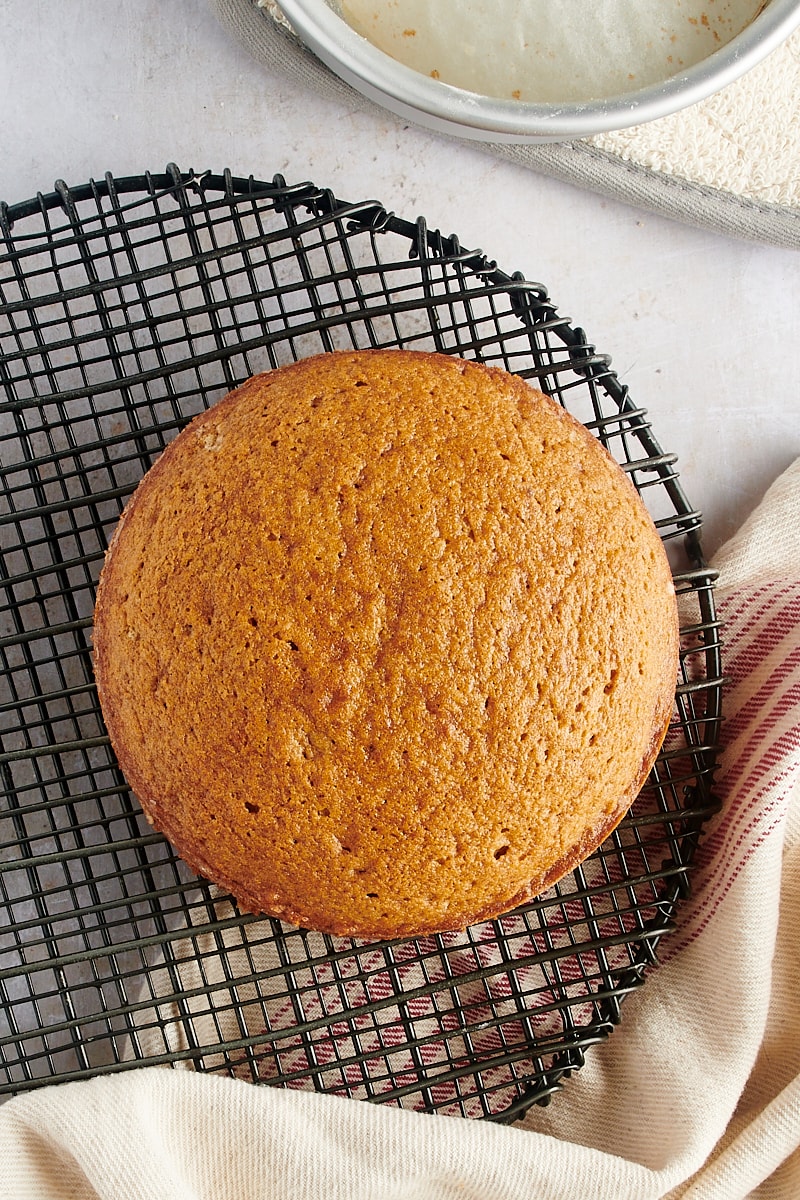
{"x": 127, "y": 306}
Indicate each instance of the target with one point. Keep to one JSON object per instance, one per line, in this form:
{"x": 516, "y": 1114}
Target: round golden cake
{"x": 385, "y": 643}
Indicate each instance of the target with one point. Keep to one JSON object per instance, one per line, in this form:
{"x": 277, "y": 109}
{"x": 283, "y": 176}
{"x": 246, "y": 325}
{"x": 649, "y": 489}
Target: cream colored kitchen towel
{"x": 730, "y": 163}
{"x": 696, "y": 1095}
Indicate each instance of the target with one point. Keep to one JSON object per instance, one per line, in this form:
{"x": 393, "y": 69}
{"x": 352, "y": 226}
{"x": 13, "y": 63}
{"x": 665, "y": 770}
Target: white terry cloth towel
{"x": 697, "y": 1095}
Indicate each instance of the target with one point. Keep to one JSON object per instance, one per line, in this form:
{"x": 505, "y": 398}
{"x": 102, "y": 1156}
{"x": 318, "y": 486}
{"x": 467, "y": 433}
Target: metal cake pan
{"x": 441, "y": 107}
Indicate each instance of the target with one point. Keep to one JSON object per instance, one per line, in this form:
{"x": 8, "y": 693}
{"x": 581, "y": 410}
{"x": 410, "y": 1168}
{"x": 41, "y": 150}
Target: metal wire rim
{"x": 126, "y": 306}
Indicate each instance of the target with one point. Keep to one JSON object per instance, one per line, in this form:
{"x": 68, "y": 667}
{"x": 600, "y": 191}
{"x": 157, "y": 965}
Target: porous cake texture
{"x": 386, "y": 643}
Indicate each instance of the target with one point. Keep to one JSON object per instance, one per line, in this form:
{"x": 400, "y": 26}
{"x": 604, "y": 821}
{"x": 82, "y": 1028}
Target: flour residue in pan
{"x": 549, "y": 50}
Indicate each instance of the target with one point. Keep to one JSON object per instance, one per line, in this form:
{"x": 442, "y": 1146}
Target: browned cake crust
{"x": 386, "y": 643}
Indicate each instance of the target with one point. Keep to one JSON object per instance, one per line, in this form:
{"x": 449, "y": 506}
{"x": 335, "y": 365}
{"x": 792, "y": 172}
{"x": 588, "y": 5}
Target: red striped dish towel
{"x": 696, "y": 1096}
{"x": 761, "y": 740}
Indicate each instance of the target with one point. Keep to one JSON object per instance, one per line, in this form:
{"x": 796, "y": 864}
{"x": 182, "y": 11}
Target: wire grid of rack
{"x": 127, "y": 306}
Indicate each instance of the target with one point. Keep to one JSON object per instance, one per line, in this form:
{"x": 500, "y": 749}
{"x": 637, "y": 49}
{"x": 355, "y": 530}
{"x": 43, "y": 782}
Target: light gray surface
{"x": 701, "y": 326}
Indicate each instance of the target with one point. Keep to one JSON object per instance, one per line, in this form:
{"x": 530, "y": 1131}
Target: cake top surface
{"x": 385, "y": 643}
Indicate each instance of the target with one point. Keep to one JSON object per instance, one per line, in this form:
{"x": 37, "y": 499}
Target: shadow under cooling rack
{"x": 126, "y": 307}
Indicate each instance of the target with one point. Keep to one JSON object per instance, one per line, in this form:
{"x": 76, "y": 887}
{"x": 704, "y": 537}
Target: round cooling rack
{"x": 127, "y": 306}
